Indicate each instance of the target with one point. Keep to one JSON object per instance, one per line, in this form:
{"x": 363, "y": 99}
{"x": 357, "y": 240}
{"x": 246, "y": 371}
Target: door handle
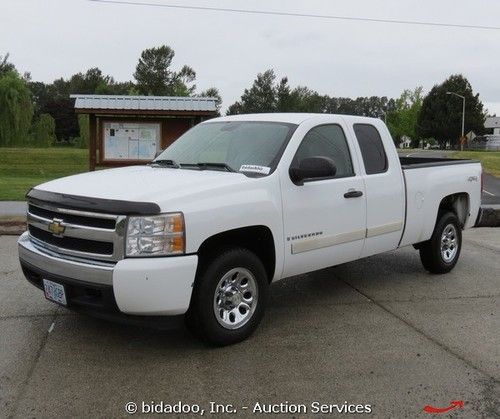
{"x": 351, "y": 193}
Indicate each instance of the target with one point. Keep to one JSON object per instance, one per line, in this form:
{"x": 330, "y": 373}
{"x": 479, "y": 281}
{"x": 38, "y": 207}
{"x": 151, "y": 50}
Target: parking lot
{"x": 380, "y": 331}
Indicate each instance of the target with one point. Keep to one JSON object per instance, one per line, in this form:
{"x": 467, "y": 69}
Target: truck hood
{"x": 144, "y": 183}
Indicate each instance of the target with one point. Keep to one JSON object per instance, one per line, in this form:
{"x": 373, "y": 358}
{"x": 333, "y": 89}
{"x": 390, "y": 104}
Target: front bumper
{"x": 132, "y": 287}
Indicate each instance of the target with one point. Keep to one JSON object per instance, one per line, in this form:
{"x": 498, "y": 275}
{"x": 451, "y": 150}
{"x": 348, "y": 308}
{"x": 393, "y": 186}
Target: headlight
{"x": 158, "y": 235}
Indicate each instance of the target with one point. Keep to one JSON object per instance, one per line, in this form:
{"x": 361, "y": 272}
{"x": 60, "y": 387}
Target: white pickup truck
{"x": 234, "y": 204}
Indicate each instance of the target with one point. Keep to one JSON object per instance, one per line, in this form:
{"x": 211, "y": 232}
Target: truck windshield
{"x": 249, "y": 147}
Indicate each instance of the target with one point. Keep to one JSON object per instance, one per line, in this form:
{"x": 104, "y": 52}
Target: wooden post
{"x": 92, "y": 141}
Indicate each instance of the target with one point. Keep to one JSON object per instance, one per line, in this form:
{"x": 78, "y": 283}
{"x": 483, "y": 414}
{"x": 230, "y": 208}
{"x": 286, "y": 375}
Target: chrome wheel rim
{"x": 449, "y": 243}
{"x": 235, "y": 298}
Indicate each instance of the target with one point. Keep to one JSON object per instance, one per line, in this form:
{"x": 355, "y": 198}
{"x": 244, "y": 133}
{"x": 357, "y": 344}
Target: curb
{"x": 12, "y": 226}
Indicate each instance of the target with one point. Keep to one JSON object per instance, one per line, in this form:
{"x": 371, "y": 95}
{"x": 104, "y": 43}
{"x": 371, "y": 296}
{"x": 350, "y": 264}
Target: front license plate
{"x": 54, "y": 292}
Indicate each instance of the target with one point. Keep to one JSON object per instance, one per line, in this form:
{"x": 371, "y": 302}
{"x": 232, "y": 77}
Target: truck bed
{"x": 420, "y": 162}
{"x": 435, "y": 179}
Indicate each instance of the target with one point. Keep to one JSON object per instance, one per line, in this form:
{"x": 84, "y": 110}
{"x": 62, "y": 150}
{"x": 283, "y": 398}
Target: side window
{"x": 327, "y": 141}
{"x": 372, "y": 148}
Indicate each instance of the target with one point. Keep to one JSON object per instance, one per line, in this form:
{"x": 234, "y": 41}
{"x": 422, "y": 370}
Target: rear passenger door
{"x": 384, "y": 185}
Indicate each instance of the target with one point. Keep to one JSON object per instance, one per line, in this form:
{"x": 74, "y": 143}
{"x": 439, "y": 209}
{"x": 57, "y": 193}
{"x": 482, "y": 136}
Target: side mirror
{"x": 313, "y": 168}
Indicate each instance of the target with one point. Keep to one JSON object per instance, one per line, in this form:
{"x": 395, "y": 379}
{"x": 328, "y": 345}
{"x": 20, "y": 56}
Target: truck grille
{"x": 70, "y": 243}
{"x": 80, "y": 234}
{"x": 74, "y": 219}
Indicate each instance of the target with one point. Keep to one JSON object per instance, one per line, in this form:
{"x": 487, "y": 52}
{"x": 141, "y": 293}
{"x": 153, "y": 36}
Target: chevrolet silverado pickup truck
{"x": 231, "y": 206}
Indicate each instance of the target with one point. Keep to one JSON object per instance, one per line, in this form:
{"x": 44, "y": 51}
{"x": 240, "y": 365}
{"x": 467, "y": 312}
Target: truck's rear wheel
{"x": 440, "y": 254}
{"x": 229, "y": 297}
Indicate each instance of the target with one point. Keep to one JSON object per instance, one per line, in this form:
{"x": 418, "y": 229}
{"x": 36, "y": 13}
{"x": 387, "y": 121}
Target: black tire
{"x": 201, "y": 318}
{"x": 436, "y": 260}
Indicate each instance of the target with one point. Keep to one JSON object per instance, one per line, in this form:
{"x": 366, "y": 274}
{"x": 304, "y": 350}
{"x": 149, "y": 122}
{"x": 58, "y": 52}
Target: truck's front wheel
{"x": 229, "y": 297}
{"x": 440, "y": 254}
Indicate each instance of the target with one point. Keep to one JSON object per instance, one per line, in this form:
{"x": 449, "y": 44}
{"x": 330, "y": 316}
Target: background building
{"x": 493, "y": 122}
{"x": 125, "y": 130}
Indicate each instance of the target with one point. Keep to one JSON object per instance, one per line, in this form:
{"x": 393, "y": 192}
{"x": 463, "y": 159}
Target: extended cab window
{"x": 372, "y": 148}
{"x": 327, "y": 141}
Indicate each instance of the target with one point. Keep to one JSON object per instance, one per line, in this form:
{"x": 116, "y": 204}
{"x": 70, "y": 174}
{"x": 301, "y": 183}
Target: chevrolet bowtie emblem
{"x": 56, "y": 227}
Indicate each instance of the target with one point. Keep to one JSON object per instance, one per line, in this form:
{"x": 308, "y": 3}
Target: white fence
{"x": 487, "y": 143}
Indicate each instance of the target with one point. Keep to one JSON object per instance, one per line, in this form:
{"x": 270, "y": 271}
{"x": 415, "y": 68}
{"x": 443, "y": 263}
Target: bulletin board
{"x": 130, "y": 141}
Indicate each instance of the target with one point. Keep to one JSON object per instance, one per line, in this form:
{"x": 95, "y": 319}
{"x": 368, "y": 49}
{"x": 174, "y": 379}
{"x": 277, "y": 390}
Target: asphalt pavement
{"x": 491, "y": 190}
{"x": 380, "y": 331}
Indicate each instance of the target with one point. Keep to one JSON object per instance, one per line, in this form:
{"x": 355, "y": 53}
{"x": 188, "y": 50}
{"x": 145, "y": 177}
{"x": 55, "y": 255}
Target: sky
{"x": 57, "y": 38}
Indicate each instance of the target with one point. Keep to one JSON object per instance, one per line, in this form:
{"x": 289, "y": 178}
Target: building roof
{"x": 492, "y": 122}
{"x": 145, "y": 103}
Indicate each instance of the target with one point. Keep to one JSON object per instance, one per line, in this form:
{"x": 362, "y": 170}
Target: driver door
{"x": 324, "y": 220}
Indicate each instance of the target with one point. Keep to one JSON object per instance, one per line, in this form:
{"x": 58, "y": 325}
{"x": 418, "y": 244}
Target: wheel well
{"x": 457, "y": 203}
{"x": 257, "y": 239}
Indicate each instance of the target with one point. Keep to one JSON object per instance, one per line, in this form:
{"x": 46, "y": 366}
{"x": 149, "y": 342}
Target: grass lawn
{"x": 23, "y": 168}
{"x": 489, "y": 159}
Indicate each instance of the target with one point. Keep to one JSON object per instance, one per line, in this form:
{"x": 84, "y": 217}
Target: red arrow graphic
{"x": 453, "y": 405}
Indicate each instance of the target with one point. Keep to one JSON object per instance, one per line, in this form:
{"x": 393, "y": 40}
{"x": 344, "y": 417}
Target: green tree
{"x": 302, "y": 99}
{"x": 283, "y": 96}
{"x": 154, "y": 75}
{"x": 44, "y": 131}
{"x": 83, "y": 123}
{"x": 441, "y": 114}
{"x": 5, "y": 66}
{"x": 54, "y": 98}
{"x": 265, "y": 95}
{"x": 92, "y": 81}
{"x": 213, "y": 92}
{"x": 299, "y": 99}
{"x": 403, "y": 120}
{"x": 374, "y": 106}
{"x": 16, "y": 110}
{"x": 61, "y": 108}
{"x": 261, "y": 97}
{"x": 89, "y": 82}
{"x": 39, "y": 94}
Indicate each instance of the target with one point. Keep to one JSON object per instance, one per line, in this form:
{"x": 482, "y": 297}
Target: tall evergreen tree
{"x": 441, "y": 114}
{"x": 260, "y": 98}
{"x": 154, "y": 75}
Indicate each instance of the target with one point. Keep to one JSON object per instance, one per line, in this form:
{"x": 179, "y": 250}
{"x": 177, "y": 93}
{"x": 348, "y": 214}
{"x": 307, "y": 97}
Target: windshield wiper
{"x": 167, "y": 163}
{"x": 208, "y": 165}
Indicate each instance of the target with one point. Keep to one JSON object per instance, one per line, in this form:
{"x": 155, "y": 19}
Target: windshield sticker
{"x": 255, "y": 169}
